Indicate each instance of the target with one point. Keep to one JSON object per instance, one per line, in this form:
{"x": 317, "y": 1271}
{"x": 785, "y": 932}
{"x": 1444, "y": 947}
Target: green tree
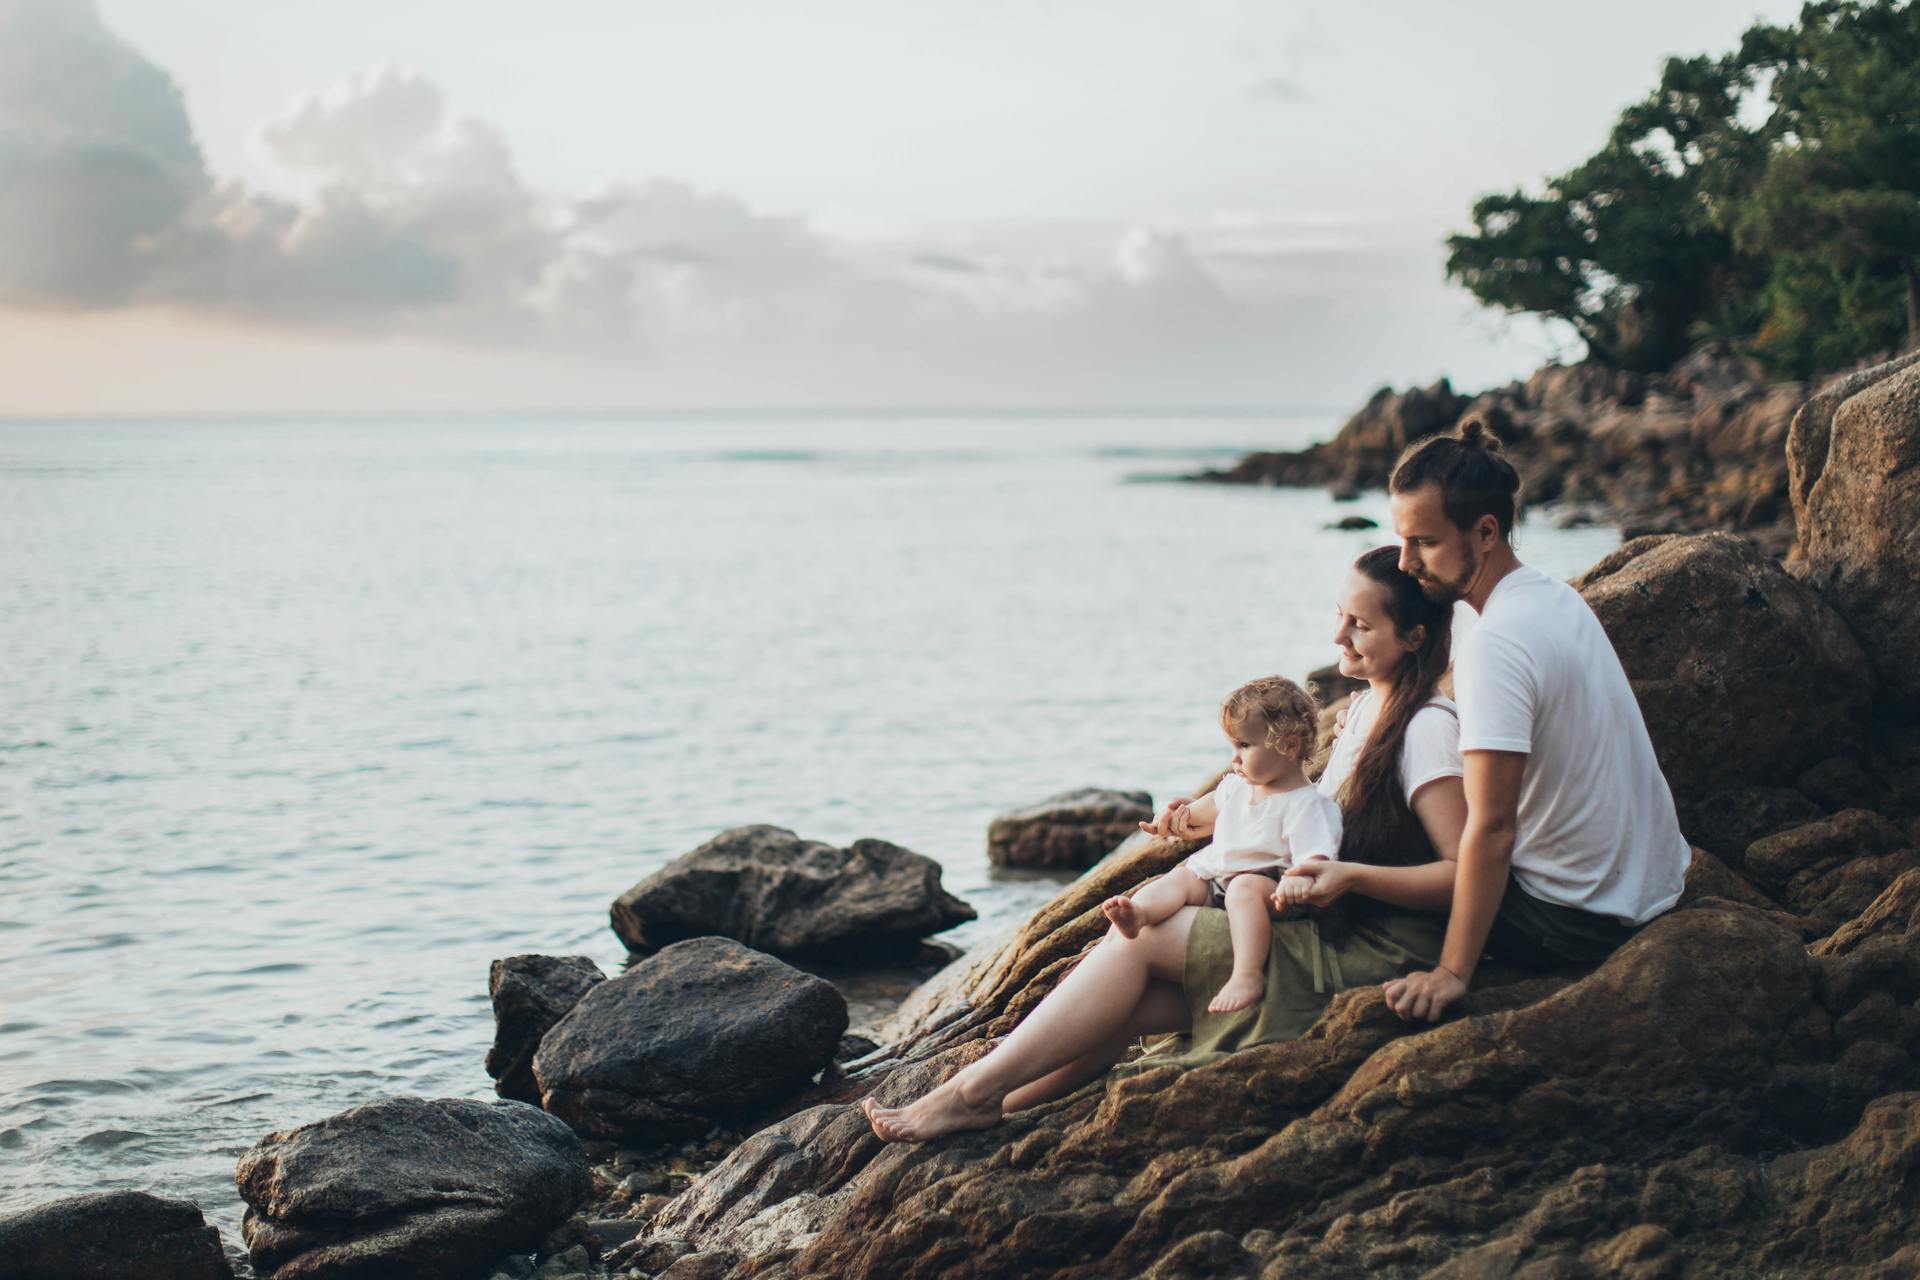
{"x": 1630, "y": 247}
{"x": 1770, "y": 198}
{"x": 1838, "y": 206}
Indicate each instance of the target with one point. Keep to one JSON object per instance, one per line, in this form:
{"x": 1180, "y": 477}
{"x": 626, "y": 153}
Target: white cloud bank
{"x": 418, "y": 226}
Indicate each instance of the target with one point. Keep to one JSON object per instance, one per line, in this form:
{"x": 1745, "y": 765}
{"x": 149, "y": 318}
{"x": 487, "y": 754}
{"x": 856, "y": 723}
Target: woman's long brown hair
{"x": 1414, "y": 684}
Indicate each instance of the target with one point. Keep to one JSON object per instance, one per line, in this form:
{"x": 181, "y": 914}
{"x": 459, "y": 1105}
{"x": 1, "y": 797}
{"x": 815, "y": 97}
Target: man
{"x": 1571, "y": 842}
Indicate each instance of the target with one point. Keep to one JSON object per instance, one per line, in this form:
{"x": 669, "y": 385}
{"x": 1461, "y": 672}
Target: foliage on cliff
{"x": 1769, "y": 198}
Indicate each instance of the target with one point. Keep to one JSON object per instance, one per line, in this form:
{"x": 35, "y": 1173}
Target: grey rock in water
{"x": 425, "y": 1188}
{"x": 111, "y": 1234}
{"x": 701, "y": 1031}
{"x": 766, "y": 887}
{"x": 1074, "y": 829}
{"x": 530, "y": 994}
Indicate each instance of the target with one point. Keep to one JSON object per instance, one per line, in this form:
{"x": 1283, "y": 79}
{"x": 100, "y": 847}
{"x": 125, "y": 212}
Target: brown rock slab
{"x": 1071, "y": 830}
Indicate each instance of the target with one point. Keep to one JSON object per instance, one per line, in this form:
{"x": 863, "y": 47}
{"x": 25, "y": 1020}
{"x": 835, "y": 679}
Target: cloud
{"x": 96, "y": 157}
{"x": 415, "y": 223}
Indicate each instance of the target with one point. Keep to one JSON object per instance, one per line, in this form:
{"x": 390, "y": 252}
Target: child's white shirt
{"x": 1266, "y": 835}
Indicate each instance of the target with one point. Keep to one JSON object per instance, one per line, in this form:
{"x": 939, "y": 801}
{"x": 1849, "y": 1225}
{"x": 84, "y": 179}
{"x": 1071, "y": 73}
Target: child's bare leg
{"x": 1159, "y": 900}
{"x": 1252, "y": 934}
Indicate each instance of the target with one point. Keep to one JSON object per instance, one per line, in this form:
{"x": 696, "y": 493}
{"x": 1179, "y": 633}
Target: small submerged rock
{"x": 697, "y": 1033}
{"x": 112, "y": 1234}
{"x": 530, "y": 994}
{"x": 1074, "y": 829}
{"x": 408, "y": 1186}
{"x": 768, "y": 888}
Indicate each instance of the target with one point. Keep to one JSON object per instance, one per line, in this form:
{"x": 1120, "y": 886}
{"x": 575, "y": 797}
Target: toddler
{"x": 1264, "y": 817}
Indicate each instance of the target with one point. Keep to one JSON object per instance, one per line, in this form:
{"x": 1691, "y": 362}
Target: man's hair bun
{"x": 1475, "y": 435}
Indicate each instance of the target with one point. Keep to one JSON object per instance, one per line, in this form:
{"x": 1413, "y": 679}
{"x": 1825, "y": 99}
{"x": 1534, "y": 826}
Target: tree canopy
{"x": 1769, "y": 198}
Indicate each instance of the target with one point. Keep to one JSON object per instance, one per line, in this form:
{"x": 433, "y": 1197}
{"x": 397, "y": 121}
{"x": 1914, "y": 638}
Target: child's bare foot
{"x": 940, "y": 1111}
{"x": 1125, "y": 916}
{"x": 1238, "y": 993}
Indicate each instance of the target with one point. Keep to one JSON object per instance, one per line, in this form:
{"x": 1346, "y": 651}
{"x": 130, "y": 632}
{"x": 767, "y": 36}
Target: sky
{"x": 227, "y": 206}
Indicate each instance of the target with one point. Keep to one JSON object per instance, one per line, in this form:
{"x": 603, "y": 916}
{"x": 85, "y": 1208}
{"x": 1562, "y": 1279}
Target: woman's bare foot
{"x": 1125, "y": 916}
{"x": 1238, "y": 993}
{"x": 940, "y": 1111}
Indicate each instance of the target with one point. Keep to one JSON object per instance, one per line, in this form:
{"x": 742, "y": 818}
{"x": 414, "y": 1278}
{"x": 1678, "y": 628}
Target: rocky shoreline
{"x": 1736, "y": 1092}
{"x": 1700, "y": 447}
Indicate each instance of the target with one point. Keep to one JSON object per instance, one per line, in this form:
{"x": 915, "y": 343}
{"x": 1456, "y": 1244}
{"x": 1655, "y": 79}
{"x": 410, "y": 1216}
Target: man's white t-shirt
{"x": 1597, "y": 828}
{"x": 1266, "y": 835}
{"x": 1429, "y": 751}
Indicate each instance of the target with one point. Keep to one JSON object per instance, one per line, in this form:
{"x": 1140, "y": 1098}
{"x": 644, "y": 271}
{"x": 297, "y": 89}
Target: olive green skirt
{"x": 1308, "y": 963}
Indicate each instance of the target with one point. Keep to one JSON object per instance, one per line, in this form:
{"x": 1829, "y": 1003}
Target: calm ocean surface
{"x": 303, "y": 723}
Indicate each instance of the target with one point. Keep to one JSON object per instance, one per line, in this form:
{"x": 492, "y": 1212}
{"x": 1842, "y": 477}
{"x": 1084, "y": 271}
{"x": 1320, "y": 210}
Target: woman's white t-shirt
{"x": 1430, "y": 751}
{"x": 1266, "y": 835}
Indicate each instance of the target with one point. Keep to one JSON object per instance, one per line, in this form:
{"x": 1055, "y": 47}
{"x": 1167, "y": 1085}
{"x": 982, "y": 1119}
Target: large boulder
{"x": 766, "y": 887}
{"x": 111, "y": 1234}
{"x": 700, "y": 1032}
{"x": 1750, "y": 683}
{"x": 1074, "y": 829}
{"x": 408, "y": 1187}
{"x": 530, "y": 994}
{"x": 1854, "y": 477}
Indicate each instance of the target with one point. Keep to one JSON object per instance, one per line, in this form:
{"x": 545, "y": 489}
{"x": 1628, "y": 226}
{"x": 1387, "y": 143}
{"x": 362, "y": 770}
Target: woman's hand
{"x": 1323, "y": 882}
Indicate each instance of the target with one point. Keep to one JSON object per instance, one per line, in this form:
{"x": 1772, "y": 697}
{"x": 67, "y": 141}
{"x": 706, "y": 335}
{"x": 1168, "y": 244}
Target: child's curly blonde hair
{"x": 1288, "y": 713}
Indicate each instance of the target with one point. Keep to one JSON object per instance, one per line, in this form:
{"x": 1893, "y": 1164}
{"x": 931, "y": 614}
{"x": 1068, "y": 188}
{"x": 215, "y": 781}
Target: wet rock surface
{"x": 1073, "y": 830}
{"x": 700, "y": 1032}
{"x": 768, "y": 888}
{"x": 407, "y": 1186}
{"x": 530, "y": 994}
{"x": 111, "y": 1234}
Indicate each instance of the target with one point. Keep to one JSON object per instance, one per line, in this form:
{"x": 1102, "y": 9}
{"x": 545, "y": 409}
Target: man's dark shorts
{"x": 1546, "y": 935}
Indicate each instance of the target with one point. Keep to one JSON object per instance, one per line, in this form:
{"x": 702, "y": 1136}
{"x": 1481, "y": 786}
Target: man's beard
{"x": 1451, "y": 592}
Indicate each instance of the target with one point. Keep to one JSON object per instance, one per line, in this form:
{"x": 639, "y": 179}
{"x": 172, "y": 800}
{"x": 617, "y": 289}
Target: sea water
{"x": 304, "y": 722}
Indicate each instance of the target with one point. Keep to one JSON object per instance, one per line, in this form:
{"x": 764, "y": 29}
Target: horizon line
{"x": 685, "y": 411}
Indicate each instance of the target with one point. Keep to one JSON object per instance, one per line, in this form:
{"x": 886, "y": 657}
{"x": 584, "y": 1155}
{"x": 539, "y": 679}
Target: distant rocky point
{"x": 1701, "y": 446}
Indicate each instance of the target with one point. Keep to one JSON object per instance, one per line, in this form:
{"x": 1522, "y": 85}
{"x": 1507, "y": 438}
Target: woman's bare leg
{"x": 1252, "y": 933}
{"x": 1163, "y": 1008}
{"x": 1079, "y": 1017}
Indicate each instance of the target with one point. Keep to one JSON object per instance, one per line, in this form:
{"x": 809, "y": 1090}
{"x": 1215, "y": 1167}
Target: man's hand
{"x": 1424, "y": 995}
{"x": 1165, "y": 822}
{"x": 1318, "y": 882}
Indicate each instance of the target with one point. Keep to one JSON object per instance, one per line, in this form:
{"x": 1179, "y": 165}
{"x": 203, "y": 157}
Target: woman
{"x": 1396, "y": 773}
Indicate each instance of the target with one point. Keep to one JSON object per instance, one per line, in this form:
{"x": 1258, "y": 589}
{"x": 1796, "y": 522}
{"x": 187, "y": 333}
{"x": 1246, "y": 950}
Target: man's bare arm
{"x": 1486, "y": 853}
